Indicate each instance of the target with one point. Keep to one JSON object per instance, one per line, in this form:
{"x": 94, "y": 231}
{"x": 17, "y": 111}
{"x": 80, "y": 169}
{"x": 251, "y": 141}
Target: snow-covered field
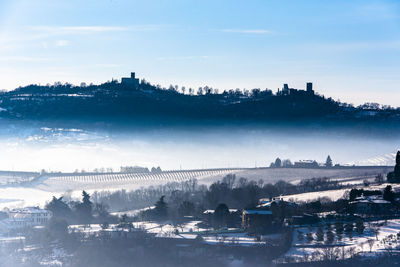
{"x": 272, "y": 175}
{"x": 128, "y": 181}
{"x": 334, "y": 194}
{"x": 370, "y": 241}
{"x": 44, "y": 188}
{"x": 188, "y": 230}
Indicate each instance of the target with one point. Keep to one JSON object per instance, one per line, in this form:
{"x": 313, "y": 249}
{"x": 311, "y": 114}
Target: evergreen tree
{"x": 329, "y": 237}
{"x": 339, "y": 229}
{"x": 309, "y": 237}
{"x": 59, "y": 208}
{"x": 349, "y": 229}
{"x": 161, "y": 209}
{"x": 278, "y": 163}
{"x": 388, "y": 193}
{"x": 397, "y": 166}
{"x": 221, "y": 215}
{"x": 84, "y": 209}
{"x": 360, "y": 226}
{"x": 329, "y": 162}
{"x": 394, "y": 176}
{"x": 320, "y": 234}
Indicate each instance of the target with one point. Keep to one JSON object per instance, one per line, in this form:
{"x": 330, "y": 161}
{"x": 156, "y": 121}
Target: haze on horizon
{"x": 349, "y": 50}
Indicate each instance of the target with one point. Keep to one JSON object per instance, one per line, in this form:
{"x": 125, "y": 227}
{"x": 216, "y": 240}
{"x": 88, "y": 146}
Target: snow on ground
{"x": 14, "y": 197}
{"x": 301, "y": 248}
{"x": 272, "y": 175}
{"x": 131, "y": 213}
{"x": 334, "y": 194}
{"x": 43, "y": 190}
{"x": 188, "y": 230}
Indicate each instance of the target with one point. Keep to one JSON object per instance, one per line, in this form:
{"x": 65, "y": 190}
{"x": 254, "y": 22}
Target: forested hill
{"x": 116, "y": 103}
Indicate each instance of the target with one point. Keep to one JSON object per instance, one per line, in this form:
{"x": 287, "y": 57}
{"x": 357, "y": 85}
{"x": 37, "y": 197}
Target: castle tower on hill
{"x": 132, "y": 81}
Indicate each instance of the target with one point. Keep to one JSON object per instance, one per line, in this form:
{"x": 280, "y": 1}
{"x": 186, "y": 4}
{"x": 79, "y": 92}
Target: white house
{"x": 25, "y": 217}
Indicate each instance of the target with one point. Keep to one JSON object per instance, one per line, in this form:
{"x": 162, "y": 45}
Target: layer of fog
{"x": 67, "y": 150}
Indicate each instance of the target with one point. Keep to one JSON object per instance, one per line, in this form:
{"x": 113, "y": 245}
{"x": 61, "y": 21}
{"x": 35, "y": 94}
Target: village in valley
{"x": 233, "y": 220}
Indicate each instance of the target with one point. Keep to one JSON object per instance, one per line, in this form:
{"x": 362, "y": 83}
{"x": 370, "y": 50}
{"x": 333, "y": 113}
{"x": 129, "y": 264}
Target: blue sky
{"x": 349, "y": 49}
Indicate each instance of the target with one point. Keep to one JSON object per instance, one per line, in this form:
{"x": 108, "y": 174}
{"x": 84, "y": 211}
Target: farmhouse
{"x": 370, "y": 205}
{"x": 256, "y": 218}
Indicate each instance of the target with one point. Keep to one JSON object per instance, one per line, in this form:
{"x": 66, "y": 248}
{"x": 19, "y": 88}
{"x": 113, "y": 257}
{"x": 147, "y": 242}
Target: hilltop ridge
{"x": 136, "y": 102}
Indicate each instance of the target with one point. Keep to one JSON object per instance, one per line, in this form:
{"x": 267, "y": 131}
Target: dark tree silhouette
{"x": 360, "y": 226}
{"x": 320, "y": 234}
{"x": 59, "y": 208}
{"x": 388, "y": 193}
{"x": 84, "y": 209}
{"x": 394, "y": 176}
{"x": 328, "y": 162}
{"x": 278, "y": 163}
{"x": 221, "y": 215}
{"x": 329, "y": 236}
{"x": 348, "y": 229}
{"x": 161, "y": 209}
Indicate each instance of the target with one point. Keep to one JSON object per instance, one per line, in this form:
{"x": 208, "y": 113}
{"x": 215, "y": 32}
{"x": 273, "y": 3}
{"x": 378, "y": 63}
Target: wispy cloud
{"x": 182, "y": 58}
{"x": 247, "y": 31}
{"x": 62, "y": 43}
{"x": 48, "y": 36}
{"x": 91, "y": 29}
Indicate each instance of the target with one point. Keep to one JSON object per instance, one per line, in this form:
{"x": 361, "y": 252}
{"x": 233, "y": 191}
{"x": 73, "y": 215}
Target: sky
{"x": 350, "y": 50}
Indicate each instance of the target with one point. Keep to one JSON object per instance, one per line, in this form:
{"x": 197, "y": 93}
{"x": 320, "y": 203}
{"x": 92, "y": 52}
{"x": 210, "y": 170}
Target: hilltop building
{"x": 306, "y": 164}
{"x": 134, "y": 169}
{"x": 309, "y": 89}
{"x": 131, "y": 81}
{"x": 291, "y": 91}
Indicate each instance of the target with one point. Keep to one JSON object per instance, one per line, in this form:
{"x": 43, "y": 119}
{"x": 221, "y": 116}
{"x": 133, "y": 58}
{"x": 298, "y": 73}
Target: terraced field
{"x": 90, "y": 181}
{"x": 97, "y": 181}
{"x": 36, "y": 190}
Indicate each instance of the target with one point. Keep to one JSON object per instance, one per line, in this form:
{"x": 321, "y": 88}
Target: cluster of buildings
{"x": 306, "y": 164}
{"x": 291, "y": 91}
{"x": 374, "y": 204}
{"x": 133, "y": 82}
{"x": 138, "y": 169}
{"x": 24, "y": 217}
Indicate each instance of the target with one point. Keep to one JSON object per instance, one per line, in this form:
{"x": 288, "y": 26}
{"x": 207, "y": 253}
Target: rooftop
{"x": 259, "y": 212}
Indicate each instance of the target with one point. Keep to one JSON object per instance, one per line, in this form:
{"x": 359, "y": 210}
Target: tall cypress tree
{"x": 394, "y": 176}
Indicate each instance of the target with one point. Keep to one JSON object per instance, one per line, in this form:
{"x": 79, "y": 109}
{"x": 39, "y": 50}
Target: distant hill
{"x": 127, "y": 104}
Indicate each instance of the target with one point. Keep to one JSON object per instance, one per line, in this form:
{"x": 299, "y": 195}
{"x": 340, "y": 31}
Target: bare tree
{"x": 370, "y": 243}
{"x": 351, "y": 252}
{"x": 374, "y": 228}
{"x": 229, "y": 180}
{"x": 379, "y": 179}
{"x": 389, "y": 244}
{"x": 330, "y": 253}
